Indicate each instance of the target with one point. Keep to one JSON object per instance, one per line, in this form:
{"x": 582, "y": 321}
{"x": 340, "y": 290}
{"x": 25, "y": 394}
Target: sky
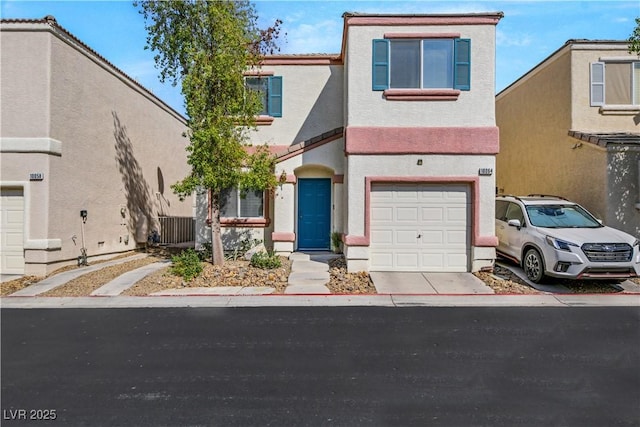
{"x": 529, "y": 32}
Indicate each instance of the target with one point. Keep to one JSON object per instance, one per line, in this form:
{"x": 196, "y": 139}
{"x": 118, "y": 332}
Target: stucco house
{"x": 570, "y": 127}
{"x": 78, "y": 135}
{"x": 391, "y": 144}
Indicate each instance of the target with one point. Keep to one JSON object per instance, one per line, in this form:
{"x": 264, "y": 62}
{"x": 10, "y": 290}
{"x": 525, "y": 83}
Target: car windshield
{"x": 561, "y": 216}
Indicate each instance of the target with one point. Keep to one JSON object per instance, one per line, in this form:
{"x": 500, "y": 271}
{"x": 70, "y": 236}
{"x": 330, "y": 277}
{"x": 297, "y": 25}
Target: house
{"x": 79, "y": 138}
{"x": 570, "y": 127}
{"x": 389, "y": 145}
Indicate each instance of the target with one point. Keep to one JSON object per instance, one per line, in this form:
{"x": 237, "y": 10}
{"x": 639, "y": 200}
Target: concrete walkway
{"x": 63, "y": 278}
{"x": 128, "y": 279}
{"x": 307, "y": 276}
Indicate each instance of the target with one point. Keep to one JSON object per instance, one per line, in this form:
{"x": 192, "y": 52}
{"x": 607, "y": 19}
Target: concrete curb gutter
{"x": 379, "y": 300}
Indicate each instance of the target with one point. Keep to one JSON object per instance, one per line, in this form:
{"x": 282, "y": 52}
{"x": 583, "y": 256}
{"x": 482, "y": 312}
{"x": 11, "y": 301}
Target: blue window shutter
{"x": 380, "y": 69}
{"x": 275, "y": 96}
{"x": 462, "y": 69}
{"x": 597, "y": 84}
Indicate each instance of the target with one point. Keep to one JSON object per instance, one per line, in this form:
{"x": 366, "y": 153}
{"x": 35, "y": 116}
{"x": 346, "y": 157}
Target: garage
{"x": 12, "y": 231}
{"x": 420, "y": 227}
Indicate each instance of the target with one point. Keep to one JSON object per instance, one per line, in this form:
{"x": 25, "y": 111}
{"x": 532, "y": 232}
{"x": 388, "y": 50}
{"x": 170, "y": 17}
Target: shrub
{"x": 186, "y": 265}
{"x": 265, "y": 260}
{"x": 205, "y": 252}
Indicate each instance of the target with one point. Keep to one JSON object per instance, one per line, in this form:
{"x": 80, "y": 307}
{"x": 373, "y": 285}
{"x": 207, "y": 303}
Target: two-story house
{"x": 390, "y": 143}
{"x": 571, "y": 127}
{"x": 87, "y": 153}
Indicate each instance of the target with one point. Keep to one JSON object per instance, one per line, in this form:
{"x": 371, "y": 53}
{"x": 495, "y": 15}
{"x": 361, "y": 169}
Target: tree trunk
{"x": 217, "y": 251}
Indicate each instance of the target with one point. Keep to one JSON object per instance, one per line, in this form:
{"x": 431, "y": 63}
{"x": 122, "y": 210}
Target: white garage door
{"x": 12, "y": 231}
{"x": 420, "y": 227}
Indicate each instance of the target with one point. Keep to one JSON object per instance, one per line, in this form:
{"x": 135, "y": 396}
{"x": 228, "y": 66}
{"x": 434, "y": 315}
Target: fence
{"x": 177, "y": 229}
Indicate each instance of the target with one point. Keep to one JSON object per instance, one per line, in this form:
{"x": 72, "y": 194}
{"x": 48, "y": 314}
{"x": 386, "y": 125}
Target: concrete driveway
{"x": 428, "y": 283}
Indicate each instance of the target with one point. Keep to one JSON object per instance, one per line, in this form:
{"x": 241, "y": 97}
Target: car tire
{"x": 533, "y": 265}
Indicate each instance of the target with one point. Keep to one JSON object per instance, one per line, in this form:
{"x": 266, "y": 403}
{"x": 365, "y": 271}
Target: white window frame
{"x": 421, "y": 53}
{"x": 239, "y": 201}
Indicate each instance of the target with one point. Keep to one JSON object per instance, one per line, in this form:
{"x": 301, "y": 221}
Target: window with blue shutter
{"x": 462, "y": 69}
{"x": 270, "y": 90}
{"x": 275, "y": 96}
{"x": 380, "y": 64}
{"x": 423, "y": 64}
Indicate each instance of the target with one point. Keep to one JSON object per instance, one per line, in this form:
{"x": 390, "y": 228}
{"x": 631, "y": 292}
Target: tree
{"x": 206, "y": 46}
{"x": 634, "y": 40}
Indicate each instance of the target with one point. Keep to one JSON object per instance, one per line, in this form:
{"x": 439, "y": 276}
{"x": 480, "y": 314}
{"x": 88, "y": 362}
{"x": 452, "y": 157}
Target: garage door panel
{"x": 427, "y": 228}
{"x": 433, "y": 261}
{"x": 407, "y": 237}
{"x": 11, "y": 231}
{"x": 458, "y": 238}
{"x": 406, "y": 260}
{"x": 382, "y": 259}
{"x": 382, "y": 237}
{"x": 457, "y": 214}
{"x": 432, "y": 214}
{"x": 432, "y": 237}
{"x": 407, "y": 214}
{"x": 382, "y": 214}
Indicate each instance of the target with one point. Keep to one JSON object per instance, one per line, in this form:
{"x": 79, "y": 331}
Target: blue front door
{"x": 314, "y": 213}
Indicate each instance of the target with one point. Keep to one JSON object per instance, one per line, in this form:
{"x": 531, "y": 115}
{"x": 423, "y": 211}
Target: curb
{"x": 320, "y": 300}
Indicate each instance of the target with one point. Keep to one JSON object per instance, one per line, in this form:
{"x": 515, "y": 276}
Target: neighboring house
{"x": 390, "y": 143}
{"x": 78, "y": 135}
{"x": 570, "y": 127}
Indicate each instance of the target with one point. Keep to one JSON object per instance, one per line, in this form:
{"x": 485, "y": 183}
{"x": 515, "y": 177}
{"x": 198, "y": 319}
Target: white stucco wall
{"x": 366, "y": 107}
{"x": 312, "y": 104}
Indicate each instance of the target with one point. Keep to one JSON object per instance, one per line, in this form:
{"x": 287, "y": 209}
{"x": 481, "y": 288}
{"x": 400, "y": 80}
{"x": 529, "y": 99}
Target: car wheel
{"x": 533, "y": 265}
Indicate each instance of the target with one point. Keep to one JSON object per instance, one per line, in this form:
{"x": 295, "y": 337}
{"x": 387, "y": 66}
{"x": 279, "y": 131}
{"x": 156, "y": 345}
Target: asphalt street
{"x": 343, "y": 366}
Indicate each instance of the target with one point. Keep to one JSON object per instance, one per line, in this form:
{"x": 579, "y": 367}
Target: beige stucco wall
{"x": 591, "y": 119}
{"x": 120, "y": 147}
{"x": 366, "y": 107}
{"x": 533, "y": 121}
{"x": 537, "y": 155}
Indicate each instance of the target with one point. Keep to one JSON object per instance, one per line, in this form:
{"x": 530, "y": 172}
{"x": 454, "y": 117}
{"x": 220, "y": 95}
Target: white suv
{"x": 551, "y": 236}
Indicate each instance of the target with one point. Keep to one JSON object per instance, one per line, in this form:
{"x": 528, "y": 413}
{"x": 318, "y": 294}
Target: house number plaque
{"x": 36, "y": 176}
{"x": 485, "y": 171}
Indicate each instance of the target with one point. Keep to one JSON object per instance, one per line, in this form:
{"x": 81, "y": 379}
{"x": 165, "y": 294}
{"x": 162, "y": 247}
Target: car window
{"x": 501, "y": 209}
{"x": 561, "y": 216}
{"x": 515, "y": 212}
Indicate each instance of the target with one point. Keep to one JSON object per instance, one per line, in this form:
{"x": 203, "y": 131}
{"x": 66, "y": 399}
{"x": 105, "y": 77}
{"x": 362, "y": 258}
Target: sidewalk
{"x": 306, "y": 287}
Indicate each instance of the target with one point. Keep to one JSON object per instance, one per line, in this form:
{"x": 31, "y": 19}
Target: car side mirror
{"x": 515, "y": 223}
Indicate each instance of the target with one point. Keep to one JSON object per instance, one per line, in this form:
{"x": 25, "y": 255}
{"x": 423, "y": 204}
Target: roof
{"x": 604, "y": 139}
{"x": 61, "y": 31}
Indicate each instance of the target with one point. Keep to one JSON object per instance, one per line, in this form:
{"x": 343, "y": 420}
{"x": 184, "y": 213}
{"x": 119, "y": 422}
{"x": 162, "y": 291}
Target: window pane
{"x": 437, "y": 64}
{"x": 618, "y": 83}
{"x": 501, "y": 210}
{"x": 229, "y": 203}
{"x": 261, "y": 86}
{"x": 251, "y": 206}
{"x": 405, "y": 64}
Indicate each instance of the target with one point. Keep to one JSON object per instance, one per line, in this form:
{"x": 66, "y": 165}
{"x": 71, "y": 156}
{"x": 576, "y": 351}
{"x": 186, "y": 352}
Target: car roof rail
{"x": 508, "y": 195}
{"x": 551, "y": 196}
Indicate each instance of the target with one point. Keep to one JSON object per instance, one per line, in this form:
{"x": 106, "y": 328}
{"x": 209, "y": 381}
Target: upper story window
{"x": 434, "y": 63}
{"x": 270, "y": 90}
{"x": 615, "y": 83}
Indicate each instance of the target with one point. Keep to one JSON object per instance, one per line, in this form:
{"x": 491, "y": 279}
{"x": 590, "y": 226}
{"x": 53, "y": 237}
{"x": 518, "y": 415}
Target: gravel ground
{"x": 232, "y": 273}
{"x": 240, "y": 273}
